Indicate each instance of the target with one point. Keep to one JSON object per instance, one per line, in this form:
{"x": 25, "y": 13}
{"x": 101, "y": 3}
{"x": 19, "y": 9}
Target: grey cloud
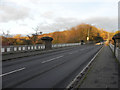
{"x": 109, "y": 24}
{"x": 48, "y": 15}
{"x": 8, "y": 13}
{"x": 59, "y": 24}
{"x": 68, "y": 22}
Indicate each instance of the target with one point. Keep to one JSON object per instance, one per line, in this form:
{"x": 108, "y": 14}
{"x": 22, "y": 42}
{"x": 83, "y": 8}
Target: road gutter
{"x": 82, "y": 75}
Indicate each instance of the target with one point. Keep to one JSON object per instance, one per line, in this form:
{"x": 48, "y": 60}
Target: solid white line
{"x": 12, "y": 72}
{"x": 51, "y": 59}
{"x": 68, "y": 86}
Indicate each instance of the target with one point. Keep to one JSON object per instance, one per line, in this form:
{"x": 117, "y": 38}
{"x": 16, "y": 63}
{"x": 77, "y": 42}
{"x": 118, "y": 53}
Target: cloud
{"x": 8, "y": 13}
{"x": 48, "y": 15}
{"x": 59, "y": 24}
{"x": 109, "y": 24}
{"x": 57, "y": 14}
{"x": 67, "y": 22}
{"x": 58, "y": 1}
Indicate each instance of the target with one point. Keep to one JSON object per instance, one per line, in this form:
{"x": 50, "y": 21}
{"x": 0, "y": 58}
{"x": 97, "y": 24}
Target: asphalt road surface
{"x": 50, "y": 70}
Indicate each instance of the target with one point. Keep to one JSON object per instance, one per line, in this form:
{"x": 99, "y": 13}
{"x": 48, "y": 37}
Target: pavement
{"x": 49, "y": 70}
{"x": 105, "y": 72}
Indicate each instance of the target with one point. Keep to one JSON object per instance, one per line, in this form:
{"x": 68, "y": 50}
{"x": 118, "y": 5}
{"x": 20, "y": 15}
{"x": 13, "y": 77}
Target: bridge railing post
{"x": 11, "y": 49}
{"x": 26, "y": 47}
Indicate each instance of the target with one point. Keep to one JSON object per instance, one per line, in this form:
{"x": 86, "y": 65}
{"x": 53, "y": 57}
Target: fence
{"x": 22, "y": 48}
{"x": 117, "y": 52}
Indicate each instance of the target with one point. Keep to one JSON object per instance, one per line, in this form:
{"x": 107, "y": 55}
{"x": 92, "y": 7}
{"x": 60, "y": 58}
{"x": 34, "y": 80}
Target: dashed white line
{"x": 77, "y": 51}
{"x": 51, "y": 59}
{"x": 70, "y": 53}
{"x": 12, "y": 72}
{"x": 82, "y": 49}
{"x": 73, "y": 52}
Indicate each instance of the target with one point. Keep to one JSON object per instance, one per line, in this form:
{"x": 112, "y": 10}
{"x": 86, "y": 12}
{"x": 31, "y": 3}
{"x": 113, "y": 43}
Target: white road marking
{"x": 77, "y": 51}
{"x": 73, "y": 52}
{"x": 82, "y": 49}
{"x": 12, "y": 72}
{"x": 51, "y": 59}
{"x": 70, "y": 53}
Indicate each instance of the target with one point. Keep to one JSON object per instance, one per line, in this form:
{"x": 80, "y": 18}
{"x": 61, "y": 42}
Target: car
{"x": 98, "y": 43}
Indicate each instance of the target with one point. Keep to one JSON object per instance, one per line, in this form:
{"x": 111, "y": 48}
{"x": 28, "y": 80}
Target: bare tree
{"x": 37, "y": 30}
{"x": 34, "y": 38}
{"x": 6, "y": 34}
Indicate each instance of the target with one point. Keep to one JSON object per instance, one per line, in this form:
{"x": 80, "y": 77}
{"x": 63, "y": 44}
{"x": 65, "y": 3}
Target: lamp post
{"x": 88, "y": 36}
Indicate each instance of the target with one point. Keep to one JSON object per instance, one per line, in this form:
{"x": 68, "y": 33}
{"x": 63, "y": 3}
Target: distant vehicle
{"x": 99, "y": 43}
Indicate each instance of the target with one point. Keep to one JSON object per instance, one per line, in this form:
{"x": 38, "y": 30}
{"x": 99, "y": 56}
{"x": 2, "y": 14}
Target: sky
{"x": 24, "y": 16}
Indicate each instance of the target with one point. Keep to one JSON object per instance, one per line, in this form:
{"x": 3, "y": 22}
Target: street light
{"x": 88, "y": 36}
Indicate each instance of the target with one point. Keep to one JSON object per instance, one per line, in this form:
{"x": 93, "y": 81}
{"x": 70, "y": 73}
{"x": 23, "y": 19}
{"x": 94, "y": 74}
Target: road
{"x": 50, "y": 70}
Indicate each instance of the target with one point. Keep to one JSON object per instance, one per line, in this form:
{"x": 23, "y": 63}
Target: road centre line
{"x": 52, "y": 59}
{"x": 12, "y": 72}
{"x": 82, "y": 49}
{"x": 74, "y": 52}
{"x": 78, "y": 51}
{"x": 70, "y": 53}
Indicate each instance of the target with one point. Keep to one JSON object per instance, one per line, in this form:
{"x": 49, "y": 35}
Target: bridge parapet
{"x": 117, "y": 51}
{"x": 23, "y": 48}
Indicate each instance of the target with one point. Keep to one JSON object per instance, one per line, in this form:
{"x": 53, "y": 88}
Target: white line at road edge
{"x": 12, "y": 72}
{"x": 51, "y": 59}
{"x": 84, "y": 69}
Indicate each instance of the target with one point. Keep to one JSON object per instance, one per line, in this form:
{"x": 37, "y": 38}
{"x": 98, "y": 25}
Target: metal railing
{"x": 22, "y": 48}
{"x": 117, "y": 51}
